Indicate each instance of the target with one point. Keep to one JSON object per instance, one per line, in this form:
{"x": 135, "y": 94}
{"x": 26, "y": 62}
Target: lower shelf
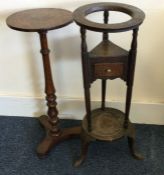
{"x": 107, "y": 124}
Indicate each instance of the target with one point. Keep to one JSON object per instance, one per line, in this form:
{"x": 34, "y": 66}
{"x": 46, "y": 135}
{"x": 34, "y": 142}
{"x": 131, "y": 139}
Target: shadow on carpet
{"x": 19, "y": 137}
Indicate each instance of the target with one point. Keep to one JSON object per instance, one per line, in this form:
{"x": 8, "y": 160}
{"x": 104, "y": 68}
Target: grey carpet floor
{"x": 19, "y": 137}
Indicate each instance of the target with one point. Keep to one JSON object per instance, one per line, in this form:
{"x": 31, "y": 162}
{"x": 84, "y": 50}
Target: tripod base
{"x": 51, "y": 140}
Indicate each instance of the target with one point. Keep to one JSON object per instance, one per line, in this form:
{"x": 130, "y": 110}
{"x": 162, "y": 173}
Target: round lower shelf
{"x": 107, "y": 124}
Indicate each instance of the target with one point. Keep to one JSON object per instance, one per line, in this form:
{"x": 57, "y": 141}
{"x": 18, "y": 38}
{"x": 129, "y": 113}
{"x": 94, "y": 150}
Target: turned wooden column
{"x": 49, "y": 86}
{"x": 41, "y": 21}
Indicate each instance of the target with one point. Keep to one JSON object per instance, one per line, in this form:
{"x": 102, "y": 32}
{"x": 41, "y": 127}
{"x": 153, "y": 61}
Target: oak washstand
{"x": 107, "y": 61}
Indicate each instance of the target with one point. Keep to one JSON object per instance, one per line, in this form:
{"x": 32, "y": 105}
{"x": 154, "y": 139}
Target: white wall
{"x": 21, "y": 72}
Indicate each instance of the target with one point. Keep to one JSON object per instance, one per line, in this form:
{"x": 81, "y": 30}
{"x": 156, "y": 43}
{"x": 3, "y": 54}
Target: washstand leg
{"x": 85, "y": 141}
{"x": 131, "y": 143}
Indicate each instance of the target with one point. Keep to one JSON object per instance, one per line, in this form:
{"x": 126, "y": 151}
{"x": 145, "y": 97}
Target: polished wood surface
{"x": 41, "y": 21}
{"x": 50, "y": 139}
{"x": 130, "y": 75}
{"x": 49, "y": 86}
{"x": 107, "y": 61}
{"x": 107, "y": 49}
{"x": 35, "y": 20}
{"x": 108, "y": 56}
{"x": 137, "y": 17}
{"x": 108, "y": 70}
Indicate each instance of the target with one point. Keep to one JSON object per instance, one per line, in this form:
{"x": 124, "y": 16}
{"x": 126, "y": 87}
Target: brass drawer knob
{"x": 108, "y": 70}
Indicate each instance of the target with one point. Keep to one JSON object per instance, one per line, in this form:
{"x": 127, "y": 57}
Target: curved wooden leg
{"x": 49, "y": 141}
{"x": 85, "y": 141}
{"x": 46, "y": 144}
{"x": 134, "y": 153}
{"x": 131, "y": 143}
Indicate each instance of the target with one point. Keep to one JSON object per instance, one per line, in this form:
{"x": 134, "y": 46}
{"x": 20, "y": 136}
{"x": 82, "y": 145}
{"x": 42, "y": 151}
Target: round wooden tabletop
{"x": 137, "y": 17}
{"x": 41, "y": 19}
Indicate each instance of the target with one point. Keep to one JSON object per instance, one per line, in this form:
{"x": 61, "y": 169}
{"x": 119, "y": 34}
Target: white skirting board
{"x": 148, "y": 113}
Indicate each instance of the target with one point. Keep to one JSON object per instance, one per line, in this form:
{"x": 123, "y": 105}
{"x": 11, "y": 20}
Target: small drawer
{"x": 108, "y": 70}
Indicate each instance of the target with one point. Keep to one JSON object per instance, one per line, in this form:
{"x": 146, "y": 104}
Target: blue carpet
{"x": 19, "y": 137}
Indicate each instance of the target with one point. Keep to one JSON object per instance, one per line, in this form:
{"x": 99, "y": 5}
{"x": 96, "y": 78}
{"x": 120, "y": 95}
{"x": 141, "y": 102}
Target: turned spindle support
{"x": 104, "y": 81}
{"x": 49, "y": 86}
{"x": 130, "y": 78}
{"x": 85, "y": 68}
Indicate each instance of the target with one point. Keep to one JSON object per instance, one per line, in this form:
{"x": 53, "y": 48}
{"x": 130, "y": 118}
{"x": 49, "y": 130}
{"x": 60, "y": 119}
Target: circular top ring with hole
{"x": 137, "y": 17}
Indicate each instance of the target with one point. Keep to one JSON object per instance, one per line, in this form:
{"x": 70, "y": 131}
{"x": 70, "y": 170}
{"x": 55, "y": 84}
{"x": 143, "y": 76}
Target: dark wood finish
{"x": 106, "y": 17}
{"x": 85, "y": 141}
{"x": 107, "y": 61}
{"x": 49, "y": 86}
{"x": 130, "y": 79}
{"x": 41, "y": 21}
{"x": 50, "y": 140}
{"x": 103, "y": 93}
{"x": 103, "y": 82}
{"x": 107, "y": 53}
{"x": 107, "y": 125}
{"x": 107, "y": 49}
{"x": 85, "y": 75}
{"x": 108, "y": 70}
{"x": 137, "y": 17}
